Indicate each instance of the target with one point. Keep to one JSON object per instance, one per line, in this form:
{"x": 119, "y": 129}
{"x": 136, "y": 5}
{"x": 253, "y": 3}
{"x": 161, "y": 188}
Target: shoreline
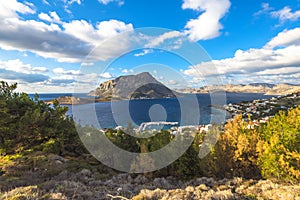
{"x": 73, "y": 100}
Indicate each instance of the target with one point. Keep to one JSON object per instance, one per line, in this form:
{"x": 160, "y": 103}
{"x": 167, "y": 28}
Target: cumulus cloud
{"x": 9, "y": 9}
{"x": 17, "y": 70}
{"x": 276, "y": 61}
{"x": 71, "y": 42}
{"x": 286, "y": 14}
{"x": 28, "y": 78}
{"x": 18, "y": 66}
{"x": 207, "y": 25}
{"x": 285, "y": 38}
{"x": 106, "y": 75}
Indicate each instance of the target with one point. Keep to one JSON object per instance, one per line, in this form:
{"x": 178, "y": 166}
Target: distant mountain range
{"x": 266, "y": 88}
{"x": 145, "y": 86}
{"x": 140, "y": 86}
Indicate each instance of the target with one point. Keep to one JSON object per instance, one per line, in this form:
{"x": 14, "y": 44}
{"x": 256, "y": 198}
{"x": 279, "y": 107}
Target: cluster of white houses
{"x": 174, "y": 127}
{"x": 260, "y": 111}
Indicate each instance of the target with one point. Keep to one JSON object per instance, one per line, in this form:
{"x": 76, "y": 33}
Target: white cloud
{"x": 53, "y": 17}
{"x": 106, "y": 75}
{"x": 66, "y": 72}
{"x": 171, "y": 82}
{"x": 75, "y": 1}
{"x": 18, "y": 66}
{"x": 46, "y": 2}
{"x": 156, "y": 41}
{"x": 40, "y": 69}
{"x": 70, "y": 43}
{"x": 265, "y": 9}
{"x": 286, "y": 14}
{"x": 125, "y": 71}
{"x": 144, "y": 52}
{"x": 207, "y": 25}
{"x": 105, "y": 2}
{"x": 45, "y": 17}
{"x": 277, "y": 62}
{"x": 16, "y": 70}
{"x": 285, "y": 38}
{"x": 87, "y": 64}
{"x": 9, "y": 9}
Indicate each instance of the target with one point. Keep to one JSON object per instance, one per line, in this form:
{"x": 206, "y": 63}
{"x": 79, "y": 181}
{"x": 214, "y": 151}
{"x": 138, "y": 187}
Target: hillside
{"x": 42, "y": 157}
{"x": 268, "y": 89}
{"x": 138, "y": 86}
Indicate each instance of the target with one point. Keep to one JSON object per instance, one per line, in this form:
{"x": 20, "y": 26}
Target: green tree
{"x": 279, "y": 152}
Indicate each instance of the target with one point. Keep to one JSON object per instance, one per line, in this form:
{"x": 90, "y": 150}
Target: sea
{"x": 190, "y": 110}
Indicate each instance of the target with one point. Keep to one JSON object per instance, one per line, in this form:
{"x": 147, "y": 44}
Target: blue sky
{"x": 66, "y": 45}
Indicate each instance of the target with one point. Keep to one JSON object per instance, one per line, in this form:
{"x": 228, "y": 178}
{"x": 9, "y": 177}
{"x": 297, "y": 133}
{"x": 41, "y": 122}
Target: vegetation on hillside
{"x": 271, "y": 151}
{"x": 28, "y": 125}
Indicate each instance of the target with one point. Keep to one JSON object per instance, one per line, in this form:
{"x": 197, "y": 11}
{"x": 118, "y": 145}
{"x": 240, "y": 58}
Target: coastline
{"x": 73, "y": 100}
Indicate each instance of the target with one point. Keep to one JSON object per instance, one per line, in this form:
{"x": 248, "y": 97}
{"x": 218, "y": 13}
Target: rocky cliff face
{"x": 138, "y": 86}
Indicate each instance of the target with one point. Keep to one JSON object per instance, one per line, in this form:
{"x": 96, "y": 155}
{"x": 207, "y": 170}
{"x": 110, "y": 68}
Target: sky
{"x": 73, "y": 45}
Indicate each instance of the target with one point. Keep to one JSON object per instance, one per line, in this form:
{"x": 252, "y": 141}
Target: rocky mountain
{"x": 268, "y": 89}
{"x": 138, "y": 86}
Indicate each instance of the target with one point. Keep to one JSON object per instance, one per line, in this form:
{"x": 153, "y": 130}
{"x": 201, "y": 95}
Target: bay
{"x": 112, "y": 114}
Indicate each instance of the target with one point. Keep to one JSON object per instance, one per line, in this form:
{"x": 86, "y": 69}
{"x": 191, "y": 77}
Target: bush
{"x": 279, "y": 151}
{"x": 27, "y": 123}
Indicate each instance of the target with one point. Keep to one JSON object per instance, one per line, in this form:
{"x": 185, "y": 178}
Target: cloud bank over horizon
{"x": 44, "y": 45}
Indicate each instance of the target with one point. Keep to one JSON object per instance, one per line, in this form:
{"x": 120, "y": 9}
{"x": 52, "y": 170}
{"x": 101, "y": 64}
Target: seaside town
{"x": 259, "y": 111}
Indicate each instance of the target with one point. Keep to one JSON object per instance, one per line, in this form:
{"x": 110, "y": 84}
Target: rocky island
{"x": 145, "y": 86}
{"x": 140, "y": 86}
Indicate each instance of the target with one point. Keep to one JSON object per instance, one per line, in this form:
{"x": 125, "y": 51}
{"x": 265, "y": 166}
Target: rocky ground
{"x": 83, "y": 185}
{"x": 86, "y": 184}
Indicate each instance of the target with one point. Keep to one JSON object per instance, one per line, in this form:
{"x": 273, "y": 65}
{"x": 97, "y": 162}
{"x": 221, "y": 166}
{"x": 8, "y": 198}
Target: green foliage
{"x": 27, "y": 123}
{"x": 235, "y": 152}
{"x": 279, "y": 151}
{"x": 271, "y": 151}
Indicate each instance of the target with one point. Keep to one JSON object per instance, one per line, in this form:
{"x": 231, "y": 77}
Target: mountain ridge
{"x": 266, "y": 88}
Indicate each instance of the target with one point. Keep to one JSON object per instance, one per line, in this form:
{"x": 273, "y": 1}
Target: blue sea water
{"x": 112, "y": 114}
{"x": 50, "y": 96}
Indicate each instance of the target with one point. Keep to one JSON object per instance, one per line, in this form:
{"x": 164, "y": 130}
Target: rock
{"x": 202, "y": 187}
{"x": 190, "y": 189}
{"x": 64, "y": 175}
{"x": 86, "y": 172}
{"x": 222, "y": 195}
{"x": 161, "y": 183}
{"x": 140, "y": 180}
{"x": 122, "y": 178}
{"x": 55, "y": 158}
